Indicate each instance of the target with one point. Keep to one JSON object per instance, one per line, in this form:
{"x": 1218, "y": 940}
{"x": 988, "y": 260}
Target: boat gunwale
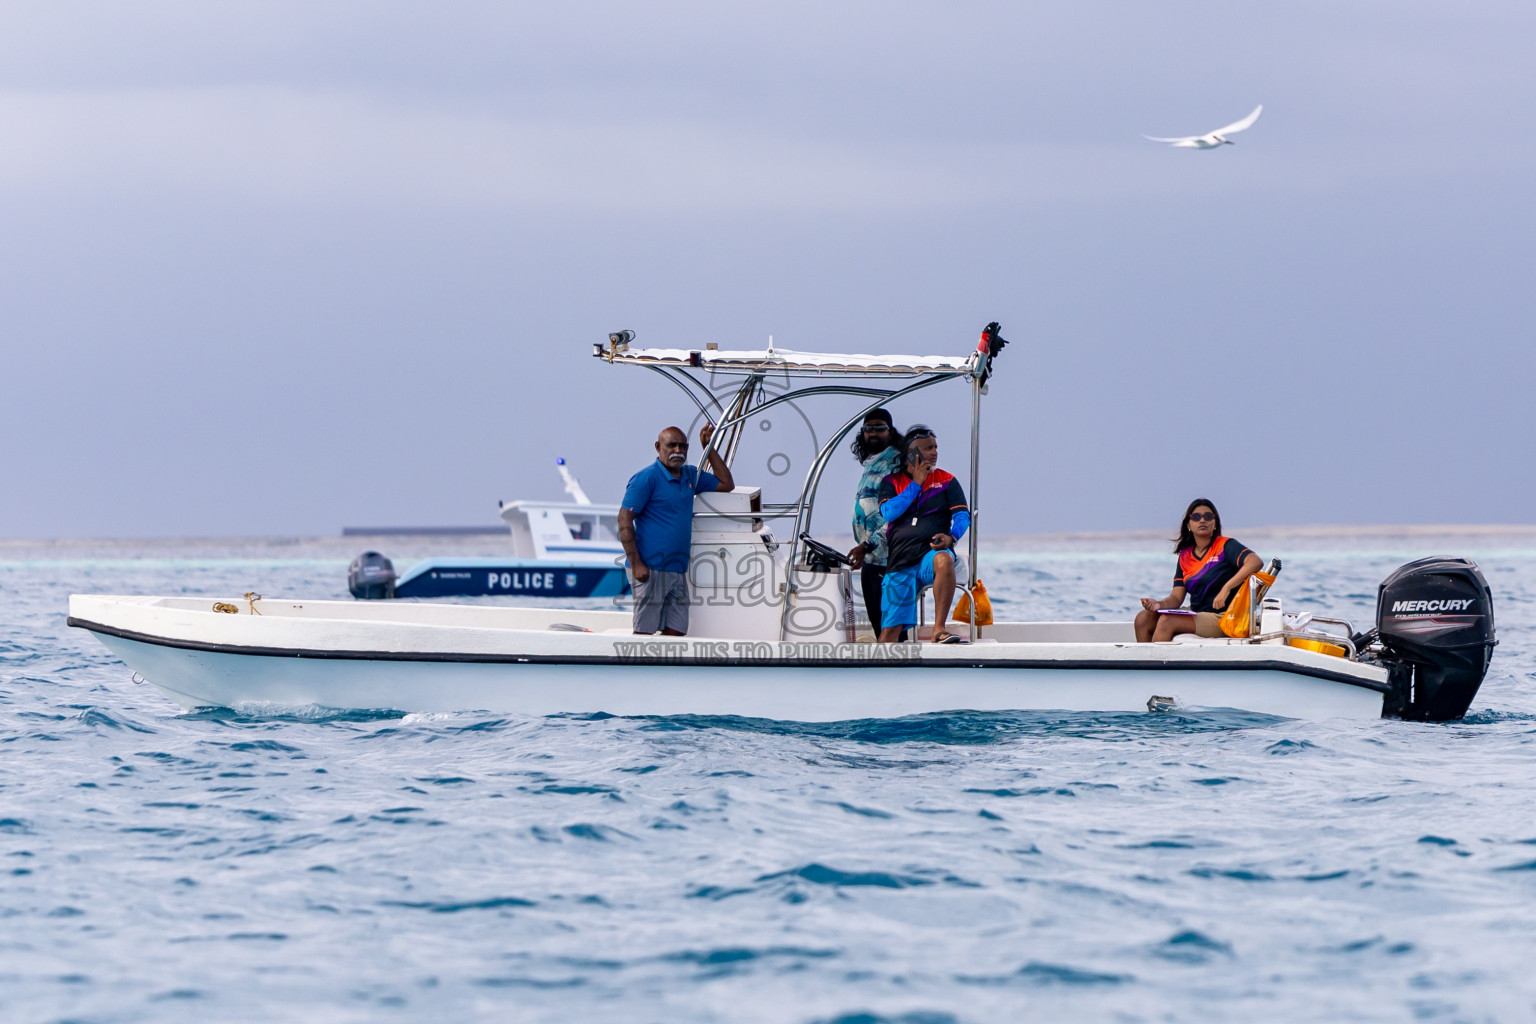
{"x": 1187, "y": 662}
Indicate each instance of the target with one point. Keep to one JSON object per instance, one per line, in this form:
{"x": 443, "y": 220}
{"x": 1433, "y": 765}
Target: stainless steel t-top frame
{"x": 750, "y": 400}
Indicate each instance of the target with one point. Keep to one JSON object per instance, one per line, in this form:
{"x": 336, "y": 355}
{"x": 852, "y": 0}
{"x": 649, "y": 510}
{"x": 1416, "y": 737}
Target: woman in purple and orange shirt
{"x": 1211, "y": 568}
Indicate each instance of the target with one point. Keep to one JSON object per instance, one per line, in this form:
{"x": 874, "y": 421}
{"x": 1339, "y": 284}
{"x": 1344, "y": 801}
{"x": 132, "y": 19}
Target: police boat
{"x": 559, "y": 549}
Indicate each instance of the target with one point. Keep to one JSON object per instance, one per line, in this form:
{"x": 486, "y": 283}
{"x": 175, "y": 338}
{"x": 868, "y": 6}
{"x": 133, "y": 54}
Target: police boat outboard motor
{"x": 371, "y": 576}
{"x": 1434, "y": 633}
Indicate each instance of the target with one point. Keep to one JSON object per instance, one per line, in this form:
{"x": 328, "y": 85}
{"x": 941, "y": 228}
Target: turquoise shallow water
{"x": 160, "y": 866}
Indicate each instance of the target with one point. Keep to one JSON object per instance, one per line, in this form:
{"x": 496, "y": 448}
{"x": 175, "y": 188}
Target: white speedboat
{"x": 774, "y": 632}
{"x": 560, "y": 549}
{"x": 423, "y": 657}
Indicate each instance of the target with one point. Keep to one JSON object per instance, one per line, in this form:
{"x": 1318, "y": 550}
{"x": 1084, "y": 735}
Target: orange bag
{"x": 1235, "y": 620}
{"x": 962, "y": 612}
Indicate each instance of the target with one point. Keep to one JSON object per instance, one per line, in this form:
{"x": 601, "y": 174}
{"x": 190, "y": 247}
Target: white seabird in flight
{"x": 1215, "y": 139}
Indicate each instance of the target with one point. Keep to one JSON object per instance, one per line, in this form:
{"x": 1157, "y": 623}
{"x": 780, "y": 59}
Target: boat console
{"x": 742, "y": 583}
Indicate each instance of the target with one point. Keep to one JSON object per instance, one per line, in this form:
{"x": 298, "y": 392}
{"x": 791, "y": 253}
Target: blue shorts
{"x": 898, "y": 592}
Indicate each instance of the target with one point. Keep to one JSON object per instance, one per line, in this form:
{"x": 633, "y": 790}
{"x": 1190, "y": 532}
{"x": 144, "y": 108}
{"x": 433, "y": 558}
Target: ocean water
{"x": 296, "y": 865}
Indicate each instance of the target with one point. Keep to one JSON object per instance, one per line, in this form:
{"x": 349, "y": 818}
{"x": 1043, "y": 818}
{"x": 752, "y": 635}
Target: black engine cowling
{"x": 371, "y": 576}
{"x": 1434, "y": 620}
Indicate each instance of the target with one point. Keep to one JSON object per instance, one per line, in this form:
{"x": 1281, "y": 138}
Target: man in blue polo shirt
{"x": 656, "y": 529}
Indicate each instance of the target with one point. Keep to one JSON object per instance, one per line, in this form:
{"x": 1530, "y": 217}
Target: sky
{"x": 279, "y": 268}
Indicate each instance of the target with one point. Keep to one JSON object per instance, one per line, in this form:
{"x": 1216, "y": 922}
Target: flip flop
{"x": 949, "y": 638}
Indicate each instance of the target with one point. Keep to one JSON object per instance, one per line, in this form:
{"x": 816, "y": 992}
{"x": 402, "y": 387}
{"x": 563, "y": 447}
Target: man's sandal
{"x": 948, "y": 638}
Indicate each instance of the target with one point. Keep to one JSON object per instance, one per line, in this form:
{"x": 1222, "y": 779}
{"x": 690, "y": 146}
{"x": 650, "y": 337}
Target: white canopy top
{"x": 783, "y": 360}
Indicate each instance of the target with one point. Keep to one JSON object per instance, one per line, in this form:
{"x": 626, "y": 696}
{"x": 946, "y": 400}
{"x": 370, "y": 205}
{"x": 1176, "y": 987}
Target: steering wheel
{"x": 820, "y": 557}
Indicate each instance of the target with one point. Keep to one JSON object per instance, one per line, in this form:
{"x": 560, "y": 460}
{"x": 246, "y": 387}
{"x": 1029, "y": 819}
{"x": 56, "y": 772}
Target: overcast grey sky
{"x": 277, "y": 268}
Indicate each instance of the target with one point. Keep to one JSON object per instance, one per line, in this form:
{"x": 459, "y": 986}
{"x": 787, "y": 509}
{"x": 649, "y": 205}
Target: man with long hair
{"x": 877, "y": 446}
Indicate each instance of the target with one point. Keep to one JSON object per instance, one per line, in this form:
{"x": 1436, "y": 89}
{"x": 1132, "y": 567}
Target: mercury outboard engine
{"x": 371, "y": 576}
{"x": 1434, "y": 622}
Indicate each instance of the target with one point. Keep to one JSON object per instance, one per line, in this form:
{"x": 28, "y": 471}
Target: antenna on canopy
{"x": 572, "y": 485}
{"x": 770, "y": 344}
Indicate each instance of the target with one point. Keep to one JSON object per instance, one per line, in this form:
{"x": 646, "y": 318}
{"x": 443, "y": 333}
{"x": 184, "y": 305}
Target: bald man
{"x": 656, "y": 529}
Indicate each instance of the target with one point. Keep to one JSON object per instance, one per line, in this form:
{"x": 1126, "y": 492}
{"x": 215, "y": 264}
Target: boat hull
{"x": 807, "y": 693}
{"x": 423, "y": 656}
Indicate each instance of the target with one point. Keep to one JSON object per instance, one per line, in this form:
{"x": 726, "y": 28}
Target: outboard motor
{"x": 1434, "y": 621}
{"x": 371, "y": 576}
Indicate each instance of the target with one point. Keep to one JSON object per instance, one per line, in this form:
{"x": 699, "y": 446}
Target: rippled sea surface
{"x": 163, "y": 866}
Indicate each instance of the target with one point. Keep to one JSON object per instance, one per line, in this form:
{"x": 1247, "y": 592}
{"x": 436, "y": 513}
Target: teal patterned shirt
{"x": 867, "y": 524}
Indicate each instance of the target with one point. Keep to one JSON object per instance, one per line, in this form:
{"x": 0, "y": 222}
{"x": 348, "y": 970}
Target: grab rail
{"x": 1347, "y": 624}
{"x": 742, "y": 517}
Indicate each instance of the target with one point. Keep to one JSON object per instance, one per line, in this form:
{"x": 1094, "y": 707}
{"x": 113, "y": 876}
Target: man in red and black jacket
{"x": 926, "y": 515}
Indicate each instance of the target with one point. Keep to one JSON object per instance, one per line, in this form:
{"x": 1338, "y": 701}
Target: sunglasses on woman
{"x": 1202, "y": 517}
